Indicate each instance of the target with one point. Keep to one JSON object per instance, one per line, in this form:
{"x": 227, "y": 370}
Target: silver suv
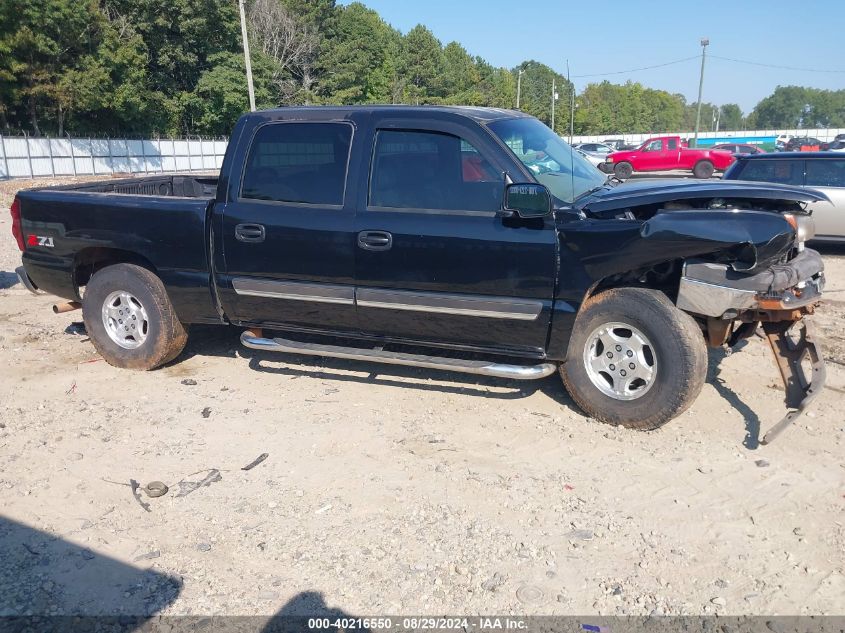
{"x": 822, "y": 171}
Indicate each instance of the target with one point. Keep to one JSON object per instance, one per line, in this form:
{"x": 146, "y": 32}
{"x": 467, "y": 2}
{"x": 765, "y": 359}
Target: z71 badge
{"x": 39, "y": 240}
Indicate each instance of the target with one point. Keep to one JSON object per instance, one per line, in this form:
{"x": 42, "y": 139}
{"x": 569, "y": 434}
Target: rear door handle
{"x": 250, "y": 233}
{"x": 375, "y": 240}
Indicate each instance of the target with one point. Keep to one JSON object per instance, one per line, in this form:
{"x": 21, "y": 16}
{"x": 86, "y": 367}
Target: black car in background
{"x": 739, "y": 148}
{"x": 797, "y": 144}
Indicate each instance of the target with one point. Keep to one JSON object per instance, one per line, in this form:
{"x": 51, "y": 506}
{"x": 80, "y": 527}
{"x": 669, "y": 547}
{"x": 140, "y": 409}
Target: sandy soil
{"x": 391, "y": 490}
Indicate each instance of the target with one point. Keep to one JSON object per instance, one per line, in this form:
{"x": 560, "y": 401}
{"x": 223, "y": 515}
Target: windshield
{"x": 550, "y": 159}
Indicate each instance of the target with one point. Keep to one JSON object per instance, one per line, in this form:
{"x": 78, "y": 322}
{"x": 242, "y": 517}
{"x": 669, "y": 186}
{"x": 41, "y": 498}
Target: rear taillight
{"x": 17, "y": 230}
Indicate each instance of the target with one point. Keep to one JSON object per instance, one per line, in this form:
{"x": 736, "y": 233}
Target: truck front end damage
{"x": 744, "y": 267}
{"x": 780, "y": 299}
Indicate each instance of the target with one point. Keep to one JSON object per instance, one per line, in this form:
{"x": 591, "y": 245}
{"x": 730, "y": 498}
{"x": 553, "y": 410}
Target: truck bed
{"x": 161, "y": 219}
{"x": 169, "y": 185}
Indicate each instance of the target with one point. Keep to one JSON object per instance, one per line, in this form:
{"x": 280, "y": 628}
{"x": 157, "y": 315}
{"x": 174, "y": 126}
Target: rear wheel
{"x": 130, "y": 319}
{"x": 703, "y": 169}
{"x": 634, "y": 359}
{"x": 623, "y": 170}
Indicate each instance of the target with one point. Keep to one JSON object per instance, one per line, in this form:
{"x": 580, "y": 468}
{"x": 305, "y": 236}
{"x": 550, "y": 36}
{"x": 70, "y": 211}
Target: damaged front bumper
{"x": 779, "y": 299}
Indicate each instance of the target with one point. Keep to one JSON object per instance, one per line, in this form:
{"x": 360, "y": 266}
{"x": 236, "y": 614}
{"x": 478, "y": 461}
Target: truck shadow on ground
{"x": 7, "y": 280}
{"x": 749, "y": 417}
{"x": 224, "y": 342}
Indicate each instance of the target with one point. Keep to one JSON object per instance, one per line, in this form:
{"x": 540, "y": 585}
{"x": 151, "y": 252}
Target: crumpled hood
{"x": 641, "y": 192}
{"x": 745, "y": 239}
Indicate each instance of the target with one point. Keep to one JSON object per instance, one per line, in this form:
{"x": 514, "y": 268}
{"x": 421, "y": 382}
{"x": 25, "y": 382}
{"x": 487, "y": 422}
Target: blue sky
{"x": 604, "y": 36}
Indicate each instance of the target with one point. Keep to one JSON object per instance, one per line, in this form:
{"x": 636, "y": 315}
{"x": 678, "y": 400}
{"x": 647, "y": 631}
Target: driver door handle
{"x": 375, "y": 240}
{"x": 250, "y": 233}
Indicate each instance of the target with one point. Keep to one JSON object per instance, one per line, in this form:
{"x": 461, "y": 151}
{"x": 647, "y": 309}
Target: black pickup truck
{"x": 458, "y": 238}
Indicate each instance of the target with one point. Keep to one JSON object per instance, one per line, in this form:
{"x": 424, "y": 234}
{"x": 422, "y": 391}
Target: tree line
{"x": 176, "y": 67}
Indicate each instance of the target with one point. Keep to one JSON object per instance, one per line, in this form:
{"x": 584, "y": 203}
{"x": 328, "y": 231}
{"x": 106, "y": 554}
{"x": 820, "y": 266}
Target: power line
{"x": 804, "y": 70}
{"x": 727, "y": 59}
{"x": 633, "y": 70}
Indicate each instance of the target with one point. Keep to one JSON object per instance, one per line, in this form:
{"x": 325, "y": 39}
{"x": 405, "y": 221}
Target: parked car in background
{"x": 804, "y": 144}
{"x": 595, "y": 149}
{"x": 667, "y": 153}
{"x": 615, "y": 143}
{"x": 836, "y": 146}
{"x": 781, "y": 141}
{"x": 618, "y": 144}
{"x": 593, "y": 159}
{"x": 739, "y": 148}
{"x": 821, "y": 171}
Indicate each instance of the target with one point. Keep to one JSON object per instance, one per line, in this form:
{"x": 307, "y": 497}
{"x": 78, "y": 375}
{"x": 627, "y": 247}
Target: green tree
{"x": 497, "y": 86}
{"x": 316, "y": 12}
{"x": 421, "y": 63}
{"x": 799, "y": 107}
{"x": 44, "y": 39}
{"x": 353, "y": 64}
{"x": 182, "y": 39}
{"x": 536, "y": 96}
{"x": 220, "y": 98}
{"x": 731, "y": 117}
{"x": 460, "y": 77}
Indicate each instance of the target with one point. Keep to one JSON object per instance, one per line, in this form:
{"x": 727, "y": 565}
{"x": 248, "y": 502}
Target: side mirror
{"x": 528, "y": 200}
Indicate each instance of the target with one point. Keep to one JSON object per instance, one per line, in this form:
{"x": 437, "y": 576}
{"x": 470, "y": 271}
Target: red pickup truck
{"x": 663, "y": 153}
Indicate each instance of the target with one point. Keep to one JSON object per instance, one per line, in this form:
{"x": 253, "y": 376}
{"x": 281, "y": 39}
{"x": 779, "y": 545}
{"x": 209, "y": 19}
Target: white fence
{"x": 27, "y": 157}
{"x": 821, "y": 134}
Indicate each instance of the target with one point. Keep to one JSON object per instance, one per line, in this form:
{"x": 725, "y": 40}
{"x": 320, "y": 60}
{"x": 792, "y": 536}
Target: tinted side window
{"x": 429, "y": 170}
{"x": 826, "y": 173}
{"x": 298, "y": 162}
{"x": 784, "y": 172}
{"x": 673, "y": 144}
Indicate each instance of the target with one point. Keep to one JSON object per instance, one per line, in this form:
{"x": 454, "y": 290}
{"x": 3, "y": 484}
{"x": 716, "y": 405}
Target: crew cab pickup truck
{"x": 667, "y": 153}
{"x": 464, "y": 239}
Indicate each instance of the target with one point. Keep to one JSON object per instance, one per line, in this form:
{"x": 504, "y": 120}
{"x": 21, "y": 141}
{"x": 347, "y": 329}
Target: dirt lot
{"x": 390, "y": 490}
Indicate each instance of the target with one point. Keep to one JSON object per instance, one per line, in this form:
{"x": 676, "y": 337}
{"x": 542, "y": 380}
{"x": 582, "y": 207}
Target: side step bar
{"x": 484, "y": 368}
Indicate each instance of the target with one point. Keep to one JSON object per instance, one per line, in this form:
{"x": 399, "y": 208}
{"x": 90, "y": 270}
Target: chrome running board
{"x": 481, "y": 367}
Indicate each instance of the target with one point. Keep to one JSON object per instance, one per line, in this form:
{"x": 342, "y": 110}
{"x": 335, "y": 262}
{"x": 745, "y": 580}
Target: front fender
{"x": 593, "y": 251}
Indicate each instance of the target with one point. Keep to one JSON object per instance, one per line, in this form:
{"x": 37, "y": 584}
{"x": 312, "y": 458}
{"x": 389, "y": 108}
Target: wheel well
{"x": 665, "y": 277}
{"x": 89, "y": 260}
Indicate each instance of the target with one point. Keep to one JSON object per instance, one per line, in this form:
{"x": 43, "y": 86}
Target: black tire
{"x": 678, "y": 353}
{"x": 703, "y": 169}
{"x": 623, "y": 170}
{"x": 162, "y": 337}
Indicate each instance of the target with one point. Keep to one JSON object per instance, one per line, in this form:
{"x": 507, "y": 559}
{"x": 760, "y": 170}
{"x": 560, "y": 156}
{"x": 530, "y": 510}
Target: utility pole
{"x": 246, "y": 57}
{"x": 571, "y": 104}
{"x": 518, "y": 87}
{"x": 704, "y": 43}
{"x": 554, "y": 96}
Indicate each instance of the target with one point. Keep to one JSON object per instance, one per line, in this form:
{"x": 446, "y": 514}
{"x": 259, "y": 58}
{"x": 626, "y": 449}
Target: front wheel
{"x": 703, "y": 169}
{"x": 623, "y": 170}
{"x": 130, "y": 319}
{"x": 634, "y": 359}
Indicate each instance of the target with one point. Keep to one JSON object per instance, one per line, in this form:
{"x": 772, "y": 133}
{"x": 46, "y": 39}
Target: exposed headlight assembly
{"x": 804, "y": 226}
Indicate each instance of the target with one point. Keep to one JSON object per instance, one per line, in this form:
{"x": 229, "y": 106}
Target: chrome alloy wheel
{"x": 125, "y": 320}
{"x": 620, "y": 361}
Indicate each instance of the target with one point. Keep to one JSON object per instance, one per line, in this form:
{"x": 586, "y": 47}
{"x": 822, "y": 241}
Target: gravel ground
{"x": 393, "y": 490}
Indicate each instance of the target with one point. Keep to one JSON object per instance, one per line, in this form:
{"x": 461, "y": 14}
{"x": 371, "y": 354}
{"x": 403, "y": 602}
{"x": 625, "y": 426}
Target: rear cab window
{"x": 298, "y": 163}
